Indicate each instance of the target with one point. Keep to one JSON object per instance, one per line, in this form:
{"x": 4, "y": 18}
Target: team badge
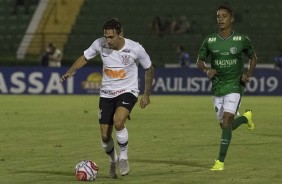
{"x": 233, "y": 50}
{"x": 125, "y": 59}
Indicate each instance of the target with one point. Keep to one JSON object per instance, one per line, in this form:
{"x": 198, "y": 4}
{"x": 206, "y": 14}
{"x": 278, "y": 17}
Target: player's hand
{"x": 67, "y": 75}
{"x": 211, "y": 72}
{"x": 245, "y": 78}
{"x": 144, "y": 101}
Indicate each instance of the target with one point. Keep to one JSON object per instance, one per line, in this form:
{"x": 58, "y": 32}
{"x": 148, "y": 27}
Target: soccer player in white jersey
{"x": 119, "y": 88}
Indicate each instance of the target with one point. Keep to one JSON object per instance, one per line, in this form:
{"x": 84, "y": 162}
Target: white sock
{"x": 110, "y": 150}
{"x": 122, "y": 139}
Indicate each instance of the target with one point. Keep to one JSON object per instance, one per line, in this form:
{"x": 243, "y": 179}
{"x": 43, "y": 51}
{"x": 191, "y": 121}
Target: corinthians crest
{"x": 125, "y": 59}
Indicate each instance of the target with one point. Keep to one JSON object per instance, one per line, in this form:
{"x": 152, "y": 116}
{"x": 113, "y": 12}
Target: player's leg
{"x": 239, "y": 120}
{"x": 121, "y": 131}
{"x": 122, "y": 138}
{"x": 230, "y": 105}
{"x": 218, "y": 107}
{"x": 125, "y": 104}
{"x": 106, "y": 113}
{"x": 226, "y": 135}
{"x": 108, "y": 145}
{"x": 245, "y": 119}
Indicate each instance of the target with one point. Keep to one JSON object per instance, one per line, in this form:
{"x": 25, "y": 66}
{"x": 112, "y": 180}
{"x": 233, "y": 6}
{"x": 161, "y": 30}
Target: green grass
{"x": 174, "y": 140}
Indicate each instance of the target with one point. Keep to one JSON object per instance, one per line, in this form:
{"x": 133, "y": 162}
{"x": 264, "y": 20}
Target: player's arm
{"x": 203, "y": 54}
{"x": 149, "y": 75}
{"x": 202, "y": 66}
{"x": 80, "y": 62}
{"x": 252, "y": 65}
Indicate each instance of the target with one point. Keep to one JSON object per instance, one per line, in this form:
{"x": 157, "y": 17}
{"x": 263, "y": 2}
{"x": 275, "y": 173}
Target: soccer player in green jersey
{"x": 225, "y": 49}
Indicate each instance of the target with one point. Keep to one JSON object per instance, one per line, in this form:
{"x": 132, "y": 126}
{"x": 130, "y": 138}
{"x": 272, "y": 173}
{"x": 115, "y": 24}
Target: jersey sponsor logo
{"x": 214, "y": 51}
{"x": 237, "y": 38}
{"x": 224, "y": 53}
{"x": 126, "y": 50}
{"x": 112, "y": 92}
{"x": 225, "y": 63}
{"x": 115, "y": 74}
{"x": 213, "y": 39}
{"x": 233, "y": 50}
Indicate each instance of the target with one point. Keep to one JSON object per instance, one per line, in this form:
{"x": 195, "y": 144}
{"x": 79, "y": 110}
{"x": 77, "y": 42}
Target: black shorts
{"x": 108, "y": 106}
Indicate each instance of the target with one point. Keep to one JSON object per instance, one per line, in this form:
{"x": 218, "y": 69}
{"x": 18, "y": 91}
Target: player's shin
{"x": 110, "y": 150}
{"x": 239, "y": 121}
{"x": 122, "y": 139}
{"x": 224, "y": 143}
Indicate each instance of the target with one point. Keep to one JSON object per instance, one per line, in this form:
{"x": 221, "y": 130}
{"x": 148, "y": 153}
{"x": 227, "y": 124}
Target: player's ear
{"x": 232, "y": 19}
{"x": 121, "y": 35}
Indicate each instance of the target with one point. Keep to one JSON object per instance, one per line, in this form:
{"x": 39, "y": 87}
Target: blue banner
{"x": 192, "y": 81}
{"x": 87, "y": 80}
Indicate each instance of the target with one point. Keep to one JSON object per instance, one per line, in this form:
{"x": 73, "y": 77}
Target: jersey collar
{"x": 227, "y": 37}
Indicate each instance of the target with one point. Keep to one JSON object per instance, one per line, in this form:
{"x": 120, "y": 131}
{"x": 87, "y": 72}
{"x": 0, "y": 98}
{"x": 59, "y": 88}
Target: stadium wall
{"x": 167, "y": 81}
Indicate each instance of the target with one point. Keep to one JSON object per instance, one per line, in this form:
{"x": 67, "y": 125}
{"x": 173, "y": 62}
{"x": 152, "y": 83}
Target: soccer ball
{"x": 86, "y": 170}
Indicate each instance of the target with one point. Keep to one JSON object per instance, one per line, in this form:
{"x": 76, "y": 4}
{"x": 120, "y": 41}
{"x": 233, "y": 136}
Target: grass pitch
{"x": 174, "y": 140}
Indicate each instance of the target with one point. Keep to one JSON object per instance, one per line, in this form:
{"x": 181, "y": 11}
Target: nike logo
{"x": 215, "y": 50}
{"x": 125, "y": 103}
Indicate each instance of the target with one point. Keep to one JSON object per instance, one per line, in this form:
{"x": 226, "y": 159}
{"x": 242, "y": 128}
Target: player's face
{"x": 113, "y": 39}
{"x": 224, "y": 19}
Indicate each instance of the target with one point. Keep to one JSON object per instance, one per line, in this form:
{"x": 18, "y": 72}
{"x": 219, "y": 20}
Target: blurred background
{"x": 28, "y": 26}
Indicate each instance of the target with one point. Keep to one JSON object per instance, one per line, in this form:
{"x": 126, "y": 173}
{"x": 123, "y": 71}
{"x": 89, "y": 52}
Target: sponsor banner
{"x": 194, "y": 82}
{"x": 33, "y": 80}
{"x": 40, "y": 80}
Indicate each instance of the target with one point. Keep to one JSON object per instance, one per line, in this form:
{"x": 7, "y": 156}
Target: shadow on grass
{"x": 46, "y": 172}
{"x": 53, "y": 173}
{"x": 269, "y": 135}
{"x": 171, "y": 162}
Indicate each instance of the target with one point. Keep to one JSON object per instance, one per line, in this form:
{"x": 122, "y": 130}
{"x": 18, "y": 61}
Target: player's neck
{"x": 121, "y": 44}
{"x": 225, "y": 33}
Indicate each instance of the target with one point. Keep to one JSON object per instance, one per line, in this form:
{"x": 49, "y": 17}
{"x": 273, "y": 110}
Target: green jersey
{"x": 226, "y": 58}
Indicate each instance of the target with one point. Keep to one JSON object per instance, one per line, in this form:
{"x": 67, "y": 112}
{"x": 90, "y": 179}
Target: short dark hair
{"x": 51, "y": 45}
{"x": 113, "y": 24}
{"x": 182, "y": 48}
{"x": 226, "y": 7}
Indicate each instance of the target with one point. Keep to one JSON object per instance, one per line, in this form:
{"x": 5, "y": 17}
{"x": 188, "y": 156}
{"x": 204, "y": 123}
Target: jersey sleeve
{"x": 93, "y": 50}
{"x": 143, "y": 57}
{"x": 203, "y": 52}
{"x": 248, "y": 47}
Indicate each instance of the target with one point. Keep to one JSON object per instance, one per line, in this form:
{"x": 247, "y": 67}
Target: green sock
{"x": 224, "y": 143}
{"x": 239, "y": 121}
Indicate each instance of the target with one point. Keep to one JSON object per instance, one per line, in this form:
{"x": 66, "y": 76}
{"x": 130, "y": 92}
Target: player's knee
{"x": 226, "y": 125}
{"x": 119, "y": 122}
{"x": 119, "y": 126}
{"x": 105, "y": 138}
